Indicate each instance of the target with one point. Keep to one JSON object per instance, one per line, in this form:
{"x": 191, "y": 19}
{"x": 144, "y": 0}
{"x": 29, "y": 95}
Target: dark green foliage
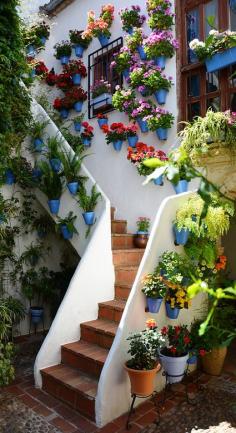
{"x": 88, "y": 202}
{"x": 51, "y": 183}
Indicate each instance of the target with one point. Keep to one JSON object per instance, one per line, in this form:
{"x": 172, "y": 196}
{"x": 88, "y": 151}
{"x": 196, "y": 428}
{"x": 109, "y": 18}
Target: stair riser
{"x": 122, "y": 292}
{"x": 112, "y": 213}
{"x": 109, "y": 314}
{"x": 96, "y": 337}
{"x": 76, "y": 360}
{"x": 76, "y": 400}
{"x": 127, "y": 258}
{"x": 118, "y": 227}
{"x": 120, "y": 242}
{"x": 123, "y": 276}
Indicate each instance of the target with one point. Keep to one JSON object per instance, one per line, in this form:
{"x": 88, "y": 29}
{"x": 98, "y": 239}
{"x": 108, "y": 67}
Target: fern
{"x": 88, "y": 202}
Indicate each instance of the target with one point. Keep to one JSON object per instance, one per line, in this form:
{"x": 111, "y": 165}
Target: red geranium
{"x": 76, "y": 94}
{"x": 51, "y": 77}
{"x": 41, "y": 68}
{"x": 116, "y": 132}
{"x": 64, "y": 82}
{"x": 87, "y": 131}
{"x": 142, "y": 152}
{"x": 131, "y": 130}
{"x": 178, "y": 340}
{"x": 102, "y": 116}
{"x": 75, "y": 67}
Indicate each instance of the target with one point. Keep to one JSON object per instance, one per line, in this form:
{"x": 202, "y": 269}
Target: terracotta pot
{"x": 141, "y": 240}
{"x": 212, "y": 362}
{"x": 142, "y": 381}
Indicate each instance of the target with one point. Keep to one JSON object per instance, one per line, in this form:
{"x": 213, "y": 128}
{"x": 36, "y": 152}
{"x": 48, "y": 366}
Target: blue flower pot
{"x": 126, "y": 74}
{"x": 162, "y": 133}
{"x": 181, "y": 236}
{"x": 181, "y": 186}
{"x": 161, "y": 96}
{"x": 79, "y": 51}
{"x": 172, "y": 313}
{"x": 76, "y": 78}
{"x": 102, "y": 122}
{"x": 117, "y": 145}
{"x": 142, "y": 125}
{"x": 32, "y": 73}
{"x": 221, "y": 60}
{"x": 10, "y": 177}
{"x": 65, "y": 232}
{"x": 38, "y": 144}
{"x": 36, "y": 173}
{"x": 2, "y": 219}
{"x": 55, "y": 164}
{"x": 192, "y": 360}
{"x": 130, "y": 30}
{"x": 160, "y": 61}
{"x": 73, "y": 187}
{"x": 43, "y": 40}
{"x": 104, "y": 40}
{"x": 30, "y": 50}
{"x": 89, "y": 218}
{"x": 142, "y": 54}
{"x": 36, "y": 315}
{"x": 154, "y": 304}
{"x": 158, "y": 180}
{"x": 86, "y": 141}
{"x": 54, "y": 206}
{"x": 64, "y": 113}
{"x": 132, "y": 140}
{"x": 78, "y": 106}
{"x": 41, "y": 234}
{"x": 64, "y": 60}
{"x": 77, "y": 126}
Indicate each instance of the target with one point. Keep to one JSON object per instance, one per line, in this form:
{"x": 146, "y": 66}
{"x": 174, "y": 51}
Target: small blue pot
{"x": 54, "y": 206}
{"x": 104, "y": 40}
{"x": 32, "y": 73}
{"x": 10, "y": 177}
{"x": 2, "y": 219}
{"x": 158, "y": 180}
{"x": 30, "y": 50}
{"x": 76, "y": 78}
{"x": 55, "y": 164}
{"x": 102, "y": 122}
{"x": 86, "y": 141}
{"x": 77, "y": 126}
{"x": 162, "y": 133}
{"x": 41, "y": 234}
{"x": 36, "y": 315}
{"x": 36, "y": 173}
{"x": 132, "y": 140}
{"x": 117, "y": 145}
{"x": 192, "y": 360}
{"x": 130, "y": 30}
{"x": 38, "y": 144}
{"x": 78, "y": 106}
{"x": 64, "y": 113}
{"x": 73, "y": 187}
{"x": 181, "y": 186}
{"x": 79, "y": 51}
{"x": 154, "y": 304}
{"x": 160, "y": 61}
{"x": 142, "y": 125}
{"x": 64, "y": 60}
{"x": 142, "y": 54}
{"x": 161, "y": 96}
{"x": 65, "y": 232}
{"x": 89, "y": 218}
{"x": 43, "y": 40}
{"x": 172, "y": 313}
{"x": 221, "y": 60}
{"x": 126, "y": 74}
{"x": 181, "y": 236}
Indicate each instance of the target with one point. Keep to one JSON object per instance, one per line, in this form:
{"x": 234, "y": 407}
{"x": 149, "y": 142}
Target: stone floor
{"x": 24, "y": 409}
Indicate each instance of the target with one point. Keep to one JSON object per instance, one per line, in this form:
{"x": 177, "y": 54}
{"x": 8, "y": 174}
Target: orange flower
{"x": 151, "y": 323}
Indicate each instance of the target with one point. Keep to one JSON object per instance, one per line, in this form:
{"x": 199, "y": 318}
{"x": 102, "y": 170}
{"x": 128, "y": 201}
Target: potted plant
{"x": 131, "y": 18}
{"x": 41, "y": 69}
{"x": 141, "y": 154}
{"x": 62, "y": 105}
{"x": 80, "y": 43}
{"x": 142, "y": 367}
{"x": 99, "y": 28}
{"x": 53, "y": 153}
{"x": 10, "y": 178}
{"x": 122, "y": 60}
{"x": 32, "y": 254}
{"x": 160, "y": 121}
{"x": 64, "y": 81}
{"x": 123, "y": 100}
{"x": 138, "y": 72}
{"x": 43, "y": 225}
{"x": 141, "y": 110}
{"x": 51, "y": 77}
{"x": 76, "y": 96}
{"x": 101, "y": 94}
{"x": 131, "y": 134}
{"x": 71, "y": 168}
{"x": 160, "y": 15}
{"x": 77, "y": 70}
{"x": 63, "y": 51}
{"x": 159, "y": 46}
{"x": 102, "y": 119}
{"x": 135, "y": 43}
{"x": 51, "y": 184}
{"x": 116, "y": 134}
{"x": 88, "y": 203}
{"x": 158, "y": 84}
{"x": 42, "y": 31}
{"x": 66, "y": 226}
{"x": 87, "y": 134}
{"x": 155, "y": 290}
{"x": 197, "y": 347}
{"x": 78, "y": 122}
{"x": 36, "y": 131}
{"x": 141, "y": 238}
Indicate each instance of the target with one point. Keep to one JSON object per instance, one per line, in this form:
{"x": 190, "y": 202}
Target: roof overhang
{"x": 55, "y": 6}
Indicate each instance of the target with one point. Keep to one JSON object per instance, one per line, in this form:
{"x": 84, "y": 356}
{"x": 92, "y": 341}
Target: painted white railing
{"x": 93, "y": 280}
{"x": 113, "y": 398}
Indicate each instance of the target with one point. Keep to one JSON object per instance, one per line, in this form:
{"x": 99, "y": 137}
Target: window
{"x": 199, "y": 89}
{"x": 99, "y": 68}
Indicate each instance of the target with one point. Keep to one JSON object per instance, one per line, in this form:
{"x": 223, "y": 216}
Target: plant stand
{"x": 132, "y": 410}
{"x": 168, "y": 386}
{"x": 36, "y": 325}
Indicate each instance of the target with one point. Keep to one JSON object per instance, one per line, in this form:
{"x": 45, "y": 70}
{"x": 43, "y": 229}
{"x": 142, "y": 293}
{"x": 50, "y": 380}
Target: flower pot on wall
{"x": 78, "y": 106}
{"x": 36, "y": 314}
{"x": 141, "y": 239}
{"x": 65, "y": 232}
{"x": 162, "y": 133}
{"x": 126, "y": 74}
{"x": 212, "y": 362}
{"x": 55, "y": 164}
{"x": 76, "y": 78}
{"x": 161, "y": 96}
{"x": 142, "y": 381}
{"x": 174, "y": 366}
{"x": 130, "y": 30}
{"x": 160, "y": 62}
{"x": 104, "y": 40}
{"x": 142, "y": 125}
{"x": 86, "y": 141}
{"x": 142, "y": 54}
{"x": 154, "y": 305}
{"x": 158, "y": 180}
{"x": 30, "y": 50}
{"x": 36, "y": 173}
{"x": 54, "y": 206}
{"x": 10, "y": 177}
{"x": 38, "y": 144}
{"x": 64, "y": 60}
{"x": 77, "y": 126}
{"x": 79, "y": 51}
{"x": 102, "y": 122}
{"x": 132, "y": 140}
{"x": 181, "y": 186}
{"x": 102, "y": 100}
{"x": 117, "y": 145}
{"x": 43, "y": 40}
{"x": 172, "y": 313}
{"x": 89, "y": 218}
{"x": 73, "y": 187}
{"x": 181, "y": 236}
{"x": 221, "y": 60}
{"x": 64, "y": 113}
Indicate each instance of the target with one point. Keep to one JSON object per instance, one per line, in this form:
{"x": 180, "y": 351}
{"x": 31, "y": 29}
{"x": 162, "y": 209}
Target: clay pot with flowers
{"x": 141, "y": 238}
{"x": 86, "y": 134}
{"x": 64, "y": 81}
{"x": 63, "y": 105}
{"x": 142, "y": 367}
{"x": 76, "y": 70}
{"x": 160, "y": 14}
{"x": 116, "y": 134}
{"x": 160, "y": 121}
{"x": 51, "y": 77}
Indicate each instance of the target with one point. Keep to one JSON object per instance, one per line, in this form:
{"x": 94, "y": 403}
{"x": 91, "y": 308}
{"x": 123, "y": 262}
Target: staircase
{"x": 75, "y": 380}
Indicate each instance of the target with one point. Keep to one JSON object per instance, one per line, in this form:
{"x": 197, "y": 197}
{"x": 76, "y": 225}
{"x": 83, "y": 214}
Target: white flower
{"x": 117, "y": 87}
{"x": 193, "y": 43}
{"x": 213, "y": 32}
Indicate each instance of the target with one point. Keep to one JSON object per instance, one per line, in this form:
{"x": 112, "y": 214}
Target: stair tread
{"x": 73, "y": 378}
{"x": 106, "y": 326}
{"x": 124, "y": 285}
{"x": 117, "y": 304}
{"x": 88, "y": 350}
{"x": 127, "y": 267}
{"x": 128, "y": 250}
{"x": 119, "y": 221}
{"x": 122, "y": 234}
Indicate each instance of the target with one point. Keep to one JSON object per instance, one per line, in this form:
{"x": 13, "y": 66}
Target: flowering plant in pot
{"x": 158, "y": 84}
{"x": 87, "y": 134}
{"x": 102, "y": 119}
{"x": 142, "y": 153}
{"x": 64, "y": 81}
{"x": 37, "y": 129}
{"x": 77, "y": 70}
{"x": 76, "y": 96}
{"x": 99, "y": 28}
{"x": 123, "y": 100}
{"x": 137, "y": 73}
{"x": 122, "y": 60}
{"x": 160, "y": 45}
{"x": 131, "y": 134}
{"x": 141, "y": 238}
{"x": 143, "y": 366}
{"x": 197, "y": 346}
{"x": 160, "y": 14}
{"x": 131, "y": 18}
{"x": 63, "y": 51}
{"x": 88, "y": 203}
{"x": 155, "y": 290}
{"x": 160, "y": 121}
{"x": 66, "y": 226}
{"x": 51, "y": 184}
{"x": 101, "y": 94}
{"x": 41, "y": 69}
{"x": 142, "y": 109}
{"x": 79, "y": 41}
{"x": 116, "y": 134}
{"x": 42, "y": 31}
{"x": 135, "y": 43}
{"x": 62, "y": 105}
{"x": 51, "y": 77}
{"x": 78, "y": 122}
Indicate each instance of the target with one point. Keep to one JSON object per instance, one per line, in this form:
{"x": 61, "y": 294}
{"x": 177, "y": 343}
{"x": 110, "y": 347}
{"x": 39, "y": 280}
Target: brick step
{"x": 125, "y": 274}
{"x": 122, "y": 241}
{"x": 85, "y": 356}
{"x": 113, "y": 209}
{"x": 111, "y": 310}
{"x": 122, "y": 291}
{"x": 71, "y": 386}
{"x": 119, "y": 226}
{"x": 100, "y": 332}
{"x": 132, "y": 256}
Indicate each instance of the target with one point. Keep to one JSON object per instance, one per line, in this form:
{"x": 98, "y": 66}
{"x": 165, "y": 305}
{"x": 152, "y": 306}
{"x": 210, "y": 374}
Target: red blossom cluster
{"x": 117, "y": 131}
{"x": 87, "y": 131}
{"x": 51, "y": 77}
{"x": 179, "y": 341}
{"x": 71, "y": 97}
{"x": 221, "y": 263}
{"x": 64, "y": 81}
{"x": 75, "y": 67}
{"x": 41, "y": 68}
{"x": 102, "y": 116}
{"x": 143, "y": 151}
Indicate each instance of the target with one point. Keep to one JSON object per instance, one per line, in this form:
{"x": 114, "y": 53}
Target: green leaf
{"x": 153, "y": 163}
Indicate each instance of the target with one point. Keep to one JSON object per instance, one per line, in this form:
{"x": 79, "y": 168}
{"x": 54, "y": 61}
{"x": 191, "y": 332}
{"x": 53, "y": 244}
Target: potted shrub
{"x": 32, "y": 254}
{"x": 159, "y": 46}
{"x": 66, "y": 226}
{"x": 141, "y": 238}
{"x": 160, "y": 121}
{"x": 122, "y": 60}
{"x": 123, "y": 100}
{"x": 42, "y": 31}
{"x": 142, "y": 367}
{"x": 63, "y": 51}
{"x": 78, "y": 42}
{"x": 71, "y": 168}
{"x": 155, "y": 290}
{"x": 78, "y": 122}
{"x": 131, "y": 18}
{"x": 102, "y": 119}
{"x": 64, "y": 81}
{"x": 87, "y": 134}
{"x": 160, "y": 15}
{"x": 77, "y": 70}
{"x": 36, "y": 131}
{"x": 43, "y": 225}
{"x": 51, "y": 184}
{"x": 53, "y": 153}
{"x": 141, "y": 110}
{"x": 116, "y": 134}
{"x": 88, "y": 203}
{"x": 131, "y": 134}
{"x": 99, "y": 28}
{"x": 135, "y": 43}
{"x": 76, "y": 97}
{"x": 101, "y": 94}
